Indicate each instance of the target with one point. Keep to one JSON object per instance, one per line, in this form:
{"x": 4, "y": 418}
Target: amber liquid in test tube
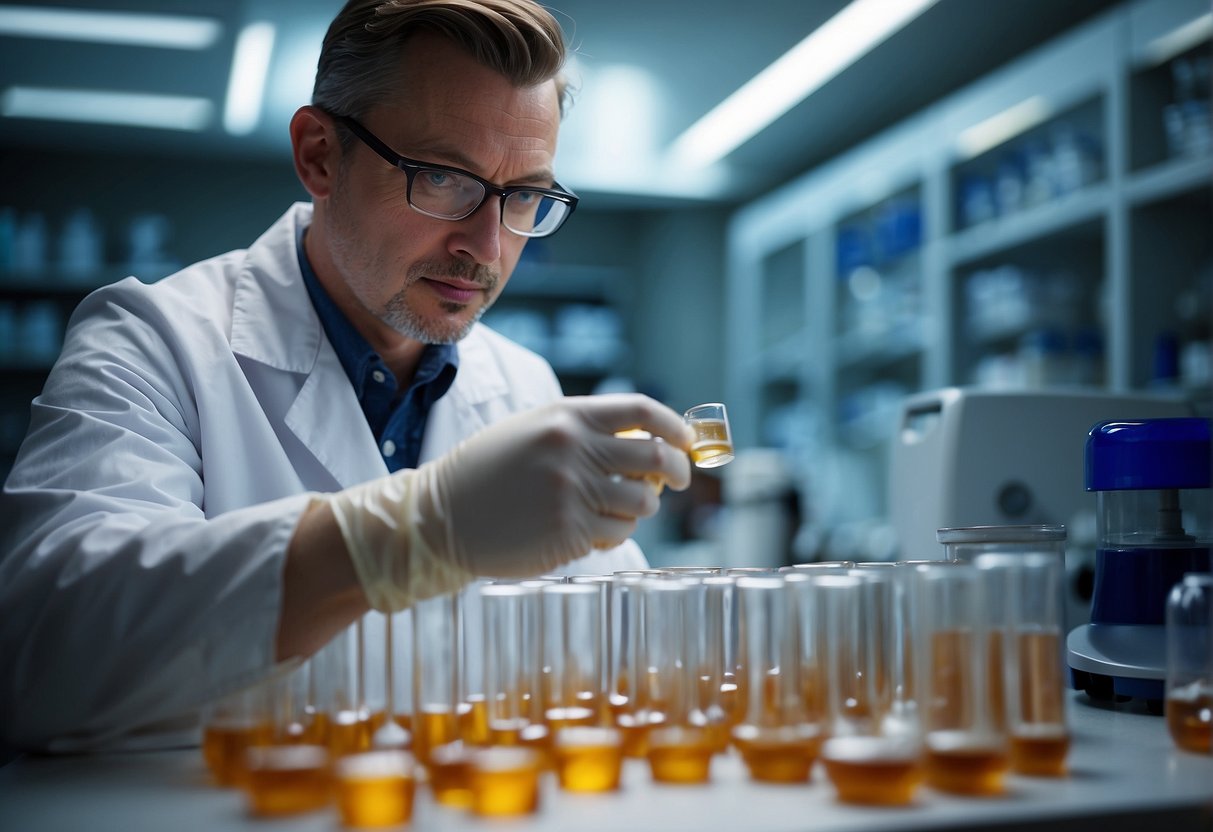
{"x": 232, "y": 726}
{"x": 1023, "y": 604}
{"x": 713, "y": 445}
{"x": 966, "y": 742}
{"x": 775, "y": 738}
{"x": 871, "y": 759}
{"x": 678, "y": 750}
{"x": 435, "y": 675}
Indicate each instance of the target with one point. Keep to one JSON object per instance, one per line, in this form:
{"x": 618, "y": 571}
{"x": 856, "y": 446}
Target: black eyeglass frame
{"x": 411, "y": 167}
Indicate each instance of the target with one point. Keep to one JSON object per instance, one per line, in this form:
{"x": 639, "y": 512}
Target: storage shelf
{"x": 999, "y": 236}
{"x": 1174, "y": 177}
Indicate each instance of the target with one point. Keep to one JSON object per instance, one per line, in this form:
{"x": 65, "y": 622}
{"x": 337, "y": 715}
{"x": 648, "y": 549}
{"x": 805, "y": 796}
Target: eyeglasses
{"x": 449, "y": 193}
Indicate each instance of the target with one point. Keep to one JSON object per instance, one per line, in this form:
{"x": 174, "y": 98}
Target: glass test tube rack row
{"x": 891, "y": 675}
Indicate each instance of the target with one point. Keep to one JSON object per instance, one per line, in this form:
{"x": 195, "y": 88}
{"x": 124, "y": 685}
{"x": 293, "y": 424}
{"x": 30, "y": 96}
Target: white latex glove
{"x": 521, "y": 497}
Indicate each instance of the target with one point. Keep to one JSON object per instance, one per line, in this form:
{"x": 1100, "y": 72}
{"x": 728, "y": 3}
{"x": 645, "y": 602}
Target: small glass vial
{"x": 375, "y": 789}
{"x": 287, "y": 779}
{"x": 1189, "y": 702}
{"x": 589, "y": 759}
{"x": 505, "y": 781}
{"x": 713, "y": 445}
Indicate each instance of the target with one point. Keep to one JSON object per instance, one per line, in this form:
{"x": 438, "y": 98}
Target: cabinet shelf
{"x": 1174, "y": 177}
{"x": 999, "y": 236}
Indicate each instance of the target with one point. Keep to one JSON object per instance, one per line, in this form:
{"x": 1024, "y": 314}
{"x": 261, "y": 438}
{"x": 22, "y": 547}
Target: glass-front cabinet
{"x": 1047, "y": 227}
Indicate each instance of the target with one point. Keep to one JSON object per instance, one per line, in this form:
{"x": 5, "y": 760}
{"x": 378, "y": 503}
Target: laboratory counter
{"x": 1125, "y": 773}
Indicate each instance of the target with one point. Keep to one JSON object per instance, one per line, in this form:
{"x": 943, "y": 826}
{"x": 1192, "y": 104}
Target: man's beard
{"x": 404, "y": 319}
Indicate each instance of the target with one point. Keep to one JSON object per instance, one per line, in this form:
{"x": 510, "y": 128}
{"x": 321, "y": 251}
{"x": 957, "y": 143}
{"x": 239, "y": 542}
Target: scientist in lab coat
{"x": 228, "y": 467}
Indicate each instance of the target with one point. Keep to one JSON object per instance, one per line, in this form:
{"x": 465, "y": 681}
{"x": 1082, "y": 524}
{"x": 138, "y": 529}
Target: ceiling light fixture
{"x": 246, "y": 84}
{"x": 999, "y": 128}
{"x": 127, "y": 28}
{"x": 169, "y": 112}
{"x": 827, "y": 51}
{"x": 1180, "y": 39}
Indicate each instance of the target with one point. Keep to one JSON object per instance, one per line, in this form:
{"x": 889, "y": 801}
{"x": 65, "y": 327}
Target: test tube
{"x": 678, "y": 751}
{"x": 775, "y": 738}
{"x": 472, "y": 707}
{"x": 870, "y": 759}
{"x": 964, "y": 736}
{"x": 346, "y": 725}
{"x": 375, "y": 789}
{"x": 625, "y": 672}
{"x": 713, "y": 445}
{"x": 572, "y": 660}
{"x": 1189, "y": 696}
{"x": 1023, "y": 604}
{"x": 435, "y": 672}
{"x": 230, "y": 727}
{"x": 713, "y": 694}
{"x": 510, "y": 618}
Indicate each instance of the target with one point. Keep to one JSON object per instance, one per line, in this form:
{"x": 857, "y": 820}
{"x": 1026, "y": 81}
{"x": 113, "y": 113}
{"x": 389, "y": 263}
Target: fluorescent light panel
{"x": 127, "y": 28}
{"x": 1008, "y": 124}
{"x": 827, "y": 51}
{"x": 169, "y": 112}
{"x": 246, "y": 84}
{"x": 1180, "y": 39}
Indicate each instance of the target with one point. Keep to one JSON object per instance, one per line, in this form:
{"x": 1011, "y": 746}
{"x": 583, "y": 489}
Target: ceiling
{"x": 646, "y": 70}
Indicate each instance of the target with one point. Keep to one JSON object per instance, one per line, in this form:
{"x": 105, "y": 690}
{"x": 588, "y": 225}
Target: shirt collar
{"x": 355, "y": 352}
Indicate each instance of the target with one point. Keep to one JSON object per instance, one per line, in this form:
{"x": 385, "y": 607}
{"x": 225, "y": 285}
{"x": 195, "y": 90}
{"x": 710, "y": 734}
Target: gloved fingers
{"x": 609, "y": 532}
{"x": 616, "y": 412}
{"x": 614, "y": 495}
{"x": 652, "y": 459}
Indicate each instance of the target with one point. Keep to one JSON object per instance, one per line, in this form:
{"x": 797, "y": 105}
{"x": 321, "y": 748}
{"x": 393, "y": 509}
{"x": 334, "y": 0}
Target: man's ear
{"x": 315, "y": 149}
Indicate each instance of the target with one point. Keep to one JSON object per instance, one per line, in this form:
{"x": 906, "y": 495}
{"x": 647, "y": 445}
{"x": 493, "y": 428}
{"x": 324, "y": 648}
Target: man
{"x": 205, "y": 493}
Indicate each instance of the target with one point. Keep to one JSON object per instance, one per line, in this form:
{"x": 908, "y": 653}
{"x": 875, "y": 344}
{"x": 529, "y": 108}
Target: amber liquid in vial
{"x": 712, "y": 446}
{"x": 961, "y": 764}
{"x": 777, "y": 755}
{"x": 571, "y": 717}
{"x": 589, "y": 759}
{"x": 375, "y": 789}
{"x": 871, "y": 771}
{"x": 1040, "y": 750}
{"x": 225, "y": 743}
{"x": 680, "y": 755}
{"x": 505, "y": 782}
{"x": 1190, "y": 719}
{"x": 287, "y": 779}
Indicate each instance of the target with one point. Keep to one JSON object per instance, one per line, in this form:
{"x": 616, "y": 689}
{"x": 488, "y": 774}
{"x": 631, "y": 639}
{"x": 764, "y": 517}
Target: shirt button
{"x": 378, "y": 376}
{"x": 389, "y": 448}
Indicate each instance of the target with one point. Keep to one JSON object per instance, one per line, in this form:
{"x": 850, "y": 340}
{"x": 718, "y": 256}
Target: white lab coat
{"x": 170, "y": 454}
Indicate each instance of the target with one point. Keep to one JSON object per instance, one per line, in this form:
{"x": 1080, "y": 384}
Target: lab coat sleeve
{"x": 121, "y": 602}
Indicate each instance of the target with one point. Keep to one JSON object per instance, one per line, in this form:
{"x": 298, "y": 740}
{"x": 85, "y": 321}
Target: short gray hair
{"x": 361, "y": 53}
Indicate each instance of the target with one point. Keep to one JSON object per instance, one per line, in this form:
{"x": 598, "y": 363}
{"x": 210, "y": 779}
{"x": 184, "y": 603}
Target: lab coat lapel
{"x": 476, "y": 399}
{"x": 275, "y": 324}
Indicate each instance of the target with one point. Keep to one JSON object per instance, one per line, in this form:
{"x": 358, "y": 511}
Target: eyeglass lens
{"x": 448, "y": 195}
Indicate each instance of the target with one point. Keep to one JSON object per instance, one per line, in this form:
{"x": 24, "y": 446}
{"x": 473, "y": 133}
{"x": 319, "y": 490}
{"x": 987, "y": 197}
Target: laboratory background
{"x": 807, "y": 223}
{"x": 917, "y": 248}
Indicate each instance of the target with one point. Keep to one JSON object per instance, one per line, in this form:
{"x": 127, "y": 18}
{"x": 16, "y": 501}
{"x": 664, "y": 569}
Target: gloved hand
{"x": 521, "y": 497}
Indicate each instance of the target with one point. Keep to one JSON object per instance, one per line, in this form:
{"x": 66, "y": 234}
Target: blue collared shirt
{"x": 396, "y": 418}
